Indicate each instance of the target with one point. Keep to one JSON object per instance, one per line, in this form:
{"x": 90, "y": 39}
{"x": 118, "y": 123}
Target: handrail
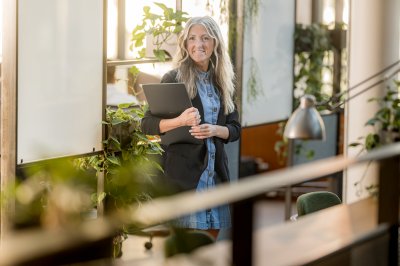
{"x": 165, "y": 209}
{"x": 30, "y": 244}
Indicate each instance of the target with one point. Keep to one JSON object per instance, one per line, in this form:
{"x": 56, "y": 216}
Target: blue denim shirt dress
{"x": 219, "y": 217}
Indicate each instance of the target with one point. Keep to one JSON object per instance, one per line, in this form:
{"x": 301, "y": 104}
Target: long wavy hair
{"x": 220, "y": 67}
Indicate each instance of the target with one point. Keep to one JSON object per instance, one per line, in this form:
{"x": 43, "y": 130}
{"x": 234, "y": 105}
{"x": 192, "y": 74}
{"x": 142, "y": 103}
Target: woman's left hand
{"x": 203, "y": 131}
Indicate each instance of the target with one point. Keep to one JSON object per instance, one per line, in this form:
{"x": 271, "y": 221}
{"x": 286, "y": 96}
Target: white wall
{"x": 60, "y": 78}
{"x": 373, "y": 45}
{"x": 268, "y": 54}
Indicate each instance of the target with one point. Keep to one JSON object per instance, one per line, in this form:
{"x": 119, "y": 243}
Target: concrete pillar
{"x": 373, "y": 45}
{"x": 8, "y": 110}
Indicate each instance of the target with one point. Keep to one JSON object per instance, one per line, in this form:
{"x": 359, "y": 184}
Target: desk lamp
{"x": 306, "y": 123}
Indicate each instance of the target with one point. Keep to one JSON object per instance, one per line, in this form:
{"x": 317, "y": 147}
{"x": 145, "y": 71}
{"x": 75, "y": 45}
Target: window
{"x": 124, "y": 15}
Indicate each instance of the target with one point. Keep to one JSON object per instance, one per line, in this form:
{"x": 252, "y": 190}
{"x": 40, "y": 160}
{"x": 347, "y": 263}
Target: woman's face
{"x": 200, "y": 46}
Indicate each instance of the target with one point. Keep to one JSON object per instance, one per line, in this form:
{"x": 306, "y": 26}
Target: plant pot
{"x": 388, "y": 137}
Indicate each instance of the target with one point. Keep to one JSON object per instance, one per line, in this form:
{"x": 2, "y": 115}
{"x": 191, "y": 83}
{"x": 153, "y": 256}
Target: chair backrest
{"x": 315, "y": 201}
{"x": 183, "y": 241}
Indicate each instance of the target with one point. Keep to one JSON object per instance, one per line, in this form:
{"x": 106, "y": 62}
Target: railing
{"x": 129, "y": 62}
{"x": 239, "y": 193}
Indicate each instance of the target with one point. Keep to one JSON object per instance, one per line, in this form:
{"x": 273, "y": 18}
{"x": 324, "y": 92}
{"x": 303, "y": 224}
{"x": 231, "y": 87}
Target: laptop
{"x": 169, "y": 100}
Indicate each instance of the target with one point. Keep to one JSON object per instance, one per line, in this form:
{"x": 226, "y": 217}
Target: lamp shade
{"x": 305, "y": 122}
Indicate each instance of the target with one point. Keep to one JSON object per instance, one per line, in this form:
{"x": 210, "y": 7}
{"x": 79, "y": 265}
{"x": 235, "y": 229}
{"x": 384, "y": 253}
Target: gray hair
{"x": 221, "y": 66}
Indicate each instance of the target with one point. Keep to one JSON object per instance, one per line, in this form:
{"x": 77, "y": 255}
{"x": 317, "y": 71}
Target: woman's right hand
{"x": 190, "y": 117}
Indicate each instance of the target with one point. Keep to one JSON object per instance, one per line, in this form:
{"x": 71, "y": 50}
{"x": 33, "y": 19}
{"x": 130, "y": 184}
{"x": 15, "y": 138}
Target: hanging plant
{"x": 254, "y": 84}
{"x": 252, "y": 8}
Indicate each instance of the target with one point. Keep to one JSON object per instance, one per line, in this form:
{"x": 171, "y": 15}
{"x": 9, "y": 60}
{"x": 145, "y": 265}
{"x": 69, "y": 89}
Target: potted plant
{"x": 386, "y": 127}
{"x": 158, "y": 31}
{"x": 386, "y": 120}
{"x": 127, "y": 163}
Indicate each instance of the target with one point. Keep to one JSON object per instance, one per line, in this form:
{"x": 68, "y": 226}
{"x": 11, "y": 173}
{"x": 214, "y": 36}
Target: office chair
{"x": 183, "y": 241}
{"x": 315, "y": 201}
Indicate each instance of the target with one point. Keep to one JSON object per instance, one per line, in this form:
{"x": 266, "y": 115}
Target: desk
{"x": 310, "y": 238}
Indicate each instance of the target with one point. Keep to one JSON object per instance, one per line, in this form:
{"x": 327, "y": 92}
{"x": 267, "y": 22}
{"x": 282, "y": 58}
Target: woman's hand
{"x": 203, "y": 131}
{"x": 190, "y": 117}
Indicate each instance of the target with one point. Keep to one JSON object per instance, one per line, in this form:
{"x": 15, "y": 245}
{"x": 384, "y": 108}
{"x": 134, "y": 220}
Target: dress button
{"x": 214, "y": 109}
{"x": 209, "y": 95}
{"x": 213, "y": 156}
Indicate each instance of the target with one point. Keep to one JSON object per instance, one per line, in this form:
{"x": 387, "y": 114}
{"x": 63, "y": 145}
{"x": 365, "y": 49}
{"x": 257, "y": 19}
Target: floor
{"x": 269, "y": 212}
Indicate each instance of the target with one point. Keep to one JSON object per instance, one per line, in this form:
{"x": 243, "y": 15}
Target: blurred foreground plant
{"x": 129, "y": 158}
{"x": 58, "y": 192}
{"x": 129, "y": 162}
{"x": 51, "y": 194}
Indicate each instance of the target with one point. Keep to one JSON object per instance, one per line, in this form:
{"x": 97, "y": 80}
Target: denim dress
{"x": 219, "y": 217}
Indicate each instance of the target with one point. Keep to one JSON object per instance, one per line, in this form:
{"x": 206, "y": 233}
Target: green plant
{"x": 254, "y": 84}
{"x": 127, "y": 153}
{"x": 161, "y": 27}
{"x": 386, "y": 129}
{"x": 127, "y": 163}
{"x": 385, "y": 121}
{"x": 222, "y": 8}
{"x": 51, "y": 194}
{"x": 132, "y": 78}
{"x": 251, "y": 10}
{"x": 281, "y": 147}
{"x": 311, "y": 45}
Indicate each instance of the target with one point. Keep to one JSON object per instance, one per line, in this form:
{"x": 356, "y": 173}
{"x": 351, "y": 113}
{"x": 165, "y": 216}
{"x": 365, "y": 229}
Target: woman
{"x": 203, "y": 65}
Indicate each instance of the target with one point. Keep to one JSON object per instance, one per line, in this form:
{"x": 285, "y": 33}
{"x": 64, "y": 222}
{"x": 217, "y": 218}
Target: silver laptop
{"x": 169, "y": 100}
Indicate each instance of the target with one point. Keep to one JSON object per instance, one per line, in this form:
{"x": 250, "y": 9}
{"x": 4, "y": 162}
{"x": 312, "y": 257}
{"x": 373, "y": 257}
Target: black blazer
{"x": 183, "y": 164}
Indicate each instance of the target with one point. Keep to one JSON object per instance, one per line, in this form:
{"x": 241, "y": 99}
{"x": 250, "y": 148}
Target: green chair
{"x": 315, "y": 201}
{"x": 183, "y": 241}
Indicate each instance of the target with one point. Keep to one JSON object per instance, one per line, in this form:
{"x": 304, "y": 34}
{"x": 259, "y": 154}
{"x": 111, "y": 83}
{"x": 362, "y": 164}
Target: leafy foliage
{"x": 161, "y": 27}
{"x": 55, "y": 193}
{"x": 254, "y": 82}
{"x": 127, "y": 163}
{"x": 386, "y": 124}
{"x": 311, "y": 45}
{"x": 386, "y": 120}
{"x": 52, "y": 194}
{"x": 128, "y": 157}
